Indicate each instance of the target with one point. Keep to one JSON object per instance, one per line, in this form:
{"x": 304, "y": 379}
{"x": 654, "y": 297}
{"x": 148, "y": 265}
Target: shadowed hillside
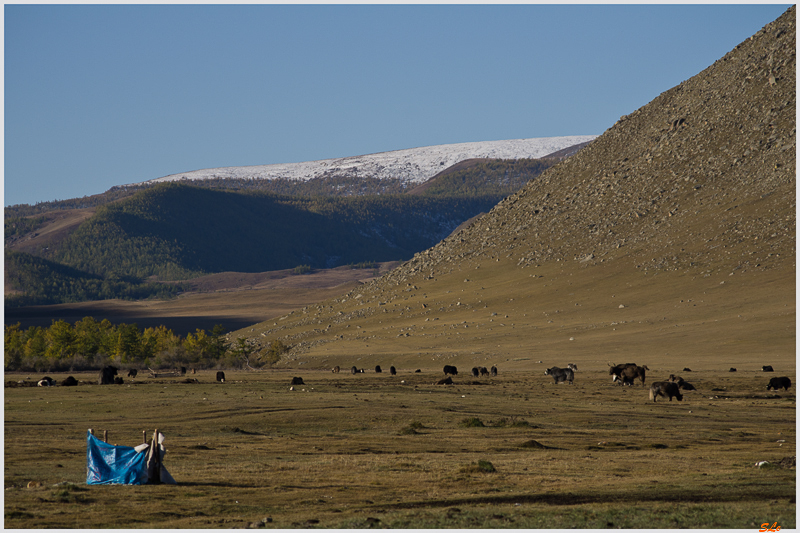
{"x": 670, "y": 238}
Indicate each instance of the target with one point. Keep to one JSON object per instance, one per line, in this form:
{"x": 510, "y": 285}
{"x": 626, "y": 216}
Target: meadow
{"x": 374, "y": 450}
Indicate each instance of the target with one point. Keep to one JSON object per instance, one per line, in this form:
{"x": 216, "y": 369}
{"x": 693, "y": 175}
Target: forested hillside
{"x": 47, "y": 282}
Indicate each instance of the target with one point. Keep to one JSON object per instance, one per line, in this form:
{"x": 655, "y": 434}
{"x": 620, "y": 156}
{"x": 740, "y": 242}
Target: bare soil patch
{"x": 60, "y": 224}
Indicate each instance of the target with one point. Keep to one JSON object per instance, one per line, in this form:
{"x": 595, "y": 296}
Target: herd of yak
{"x": 624, "y": 374}
{"x": 627, "y": 373}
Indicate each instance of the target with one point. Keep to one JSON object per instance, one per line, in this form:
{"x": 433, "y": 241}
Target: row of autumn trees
{"x": 90, "y": 344}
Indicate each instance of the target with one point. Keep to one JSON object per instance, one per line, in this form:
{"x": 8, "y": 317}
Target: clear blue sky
{"x": 103, "y": 95}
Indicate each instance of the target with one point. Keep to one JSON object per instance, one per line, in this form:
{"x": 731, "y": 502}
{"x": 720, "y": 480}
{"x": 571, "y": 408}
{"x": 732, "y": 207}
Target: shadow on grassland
{"x": 760, "y": 491}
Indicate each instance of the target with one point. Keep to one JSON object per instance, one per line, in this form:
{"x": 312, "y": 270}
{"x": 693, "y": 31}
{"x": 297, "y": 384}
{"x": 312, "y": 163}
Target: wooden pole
{"x": 157, "y": 457}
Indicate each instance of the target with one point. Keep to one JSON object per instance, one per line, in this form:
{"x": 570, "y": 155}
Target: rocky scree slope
{"x": 700, "y": 181}
{"x": 702, "y": 177}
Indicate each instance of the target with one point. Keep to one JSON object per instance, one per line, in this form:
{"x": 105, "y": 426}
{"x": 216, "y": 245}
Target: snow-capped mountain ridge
{"x": 412, "y": 164}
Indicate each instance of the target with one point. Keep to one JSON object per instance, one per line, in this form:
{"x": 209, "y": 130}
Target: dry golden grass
{"x": 375, "y": 450}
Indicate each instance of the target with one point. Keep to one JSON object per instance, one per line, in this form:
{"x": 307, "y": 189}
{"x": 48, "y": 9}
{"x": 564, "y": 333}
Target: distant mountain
{"x": 414, "y": 165}
{"x": 180, "y": 230}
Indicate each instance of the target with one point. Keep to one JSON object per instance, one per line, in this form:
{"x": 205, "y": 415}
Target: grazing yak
{"x": 69, "y": 382}
{"x": 484, "y": 371}
{"x": 767, "y": 368}
{"x": 779, "y": 383}
{"x": 493, "y": 371}
{"x": 221, "y": 376}
{"x": 183, "y": 371}
{"x": 297, "y": 381}
{"x": 560, "y": 374}
{"x": 392, "y": 371}
{"x": 666, "y": 389}
{"x": 627, "y": 373}
{"x": 118, "y": 380}
{"x": 448, "y": 369}
{"x": 378, "y": 369}
{"x": 353, "y": 370}
{"x": 46, "y": 381}
{"x": 335, "y": 369}
{"x": 446, "y": 381}
{"x": 475, "y": 372}
{"x": 107, "y": 375}
{"x": 132, "y": 373}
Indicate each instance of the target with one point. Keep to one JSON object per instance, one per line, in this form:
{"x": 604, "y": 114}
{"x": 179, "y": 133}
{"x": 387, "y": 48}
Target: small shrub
{"x": 473, "y": 422}
{"x": 481, "y": 467}
{"x": 535, "y": 444}
{"x": 66, "y": 494}
{"x": 511, "y": 422}
{"x": 486, "y": 466}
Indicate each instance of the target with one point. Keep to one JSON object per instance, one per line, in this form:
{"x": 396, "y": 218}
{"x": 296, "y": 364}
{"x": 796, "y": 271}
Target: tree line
{"x": 90, "y": 345}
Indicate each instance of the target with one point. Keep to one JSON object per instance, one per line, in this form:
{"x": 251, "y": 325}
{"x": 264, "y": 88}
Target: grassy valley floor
{"x": 374, "y": 450}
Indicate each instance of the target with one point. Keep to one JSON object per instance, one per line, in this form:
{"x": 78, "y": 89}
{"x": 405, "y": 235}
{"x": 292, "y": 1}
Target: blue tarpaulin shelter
{"x": 107, "y": 464}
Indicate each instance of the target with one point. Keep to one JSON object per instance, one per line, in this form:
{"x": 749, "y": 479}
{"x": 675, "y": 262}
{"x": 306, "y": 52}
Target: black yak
{"x": 627, "y": 373}
{"x": 107, "y": 375}
{"x": 666, "y": 389}
{"x": 779, "y": 383}
{"x": 560, "y": 374}
{"x": 221, "y": 376}
{"x": 448, "y": 369}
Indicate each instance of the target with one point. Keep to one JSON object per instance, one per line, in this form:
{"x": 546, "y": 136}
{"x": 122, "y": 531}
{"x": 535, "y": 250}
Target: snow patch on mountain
{"x": 412, "y": 165}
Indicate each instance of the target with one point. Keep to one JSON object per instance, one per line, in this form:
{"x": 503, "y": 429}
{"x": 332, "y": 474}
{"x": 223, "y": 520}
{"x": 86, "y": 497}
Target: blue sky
{"x": 103, "y": 95}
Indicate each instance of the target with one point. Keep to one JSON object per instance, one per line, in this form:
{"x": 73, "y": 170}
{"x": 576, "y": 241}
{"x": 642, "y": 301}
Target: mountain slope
{"x": 675, "y": 227}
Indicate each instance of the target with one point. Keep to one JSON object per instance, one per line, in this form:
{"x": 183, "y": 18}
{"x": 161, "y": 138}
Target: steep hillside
{"x": 668, "y": 240}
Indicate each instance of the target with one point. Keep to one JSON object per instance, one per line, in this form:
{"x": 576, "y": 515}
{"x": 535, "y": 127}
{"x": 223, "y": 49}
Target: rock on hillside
{"x": 699, "y": 182}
